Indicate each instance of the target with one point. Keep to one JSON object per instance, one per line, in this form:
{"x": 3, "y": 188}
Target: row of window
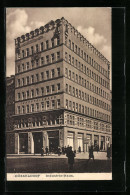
{"x": 86, "y": 97}
{"x": 39, "y": 62}
{"x": 86, "y": 70}
{"x": 86, "y": 110}
{"x": 38, "y": 48}
{"x": 38, "y": 107}
{"x": 39, "y": 77}
{"x": 81, "y": 81}
{"x": 82, "y": 122}
{"x": 85, "y": 56}
{"x": 39, "y": 92}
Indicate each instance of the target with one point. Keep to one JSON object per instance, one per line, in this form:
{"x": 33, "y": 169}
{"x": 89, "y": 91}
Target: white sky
{"x": 93, "y": 23}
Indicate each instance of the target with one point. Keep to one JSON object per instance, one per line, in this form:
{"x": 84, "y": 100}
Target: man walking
{"x": 70, "y": 155}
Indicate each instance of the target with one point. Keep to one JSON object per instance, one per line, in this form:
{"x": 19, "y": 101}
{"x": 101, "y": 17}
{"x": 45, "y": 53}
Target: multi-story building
{"x": 10, "y": 111}
{"x": 62, "y": 91}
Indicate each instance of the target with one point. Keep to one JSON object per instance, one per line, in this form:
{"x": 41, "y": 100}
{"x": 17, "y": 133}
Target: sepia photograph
{"x": 58, "y": 93}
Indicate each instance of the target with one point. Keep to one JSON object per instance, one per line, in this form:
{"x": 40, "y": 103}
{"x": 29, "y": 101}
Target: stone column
{"x": 65, "y": 136}
{"x": 16, "y": 143}
{"x": 76, "y": 141}
{"x": 45, "y": 139}
{"x": 92, "y": 139}
{"x": 99, "y": 141}
{"x": 30, "y": 143}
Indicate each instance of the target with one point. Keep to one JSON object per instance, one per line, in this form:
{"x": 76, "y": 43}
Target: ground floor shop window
{"x": 23, "y": 143}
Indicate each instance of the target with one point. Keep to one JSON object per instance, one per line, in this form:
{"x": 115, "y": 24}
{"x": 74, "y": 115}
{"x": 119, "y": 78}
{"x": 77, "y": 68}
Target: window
{"x": 65, "y": 56}
{"x": 27, "y": 109}
{"x": 53, "y": 88}
{"x": 47, "y": 74}
{"x": 23, "y": 53}
{"x": 37, "y": 62}
{"x": 58, "y": 55}
{"x": 75, "y": 48}
{"x": 58, "y": 102}
{"x": 32, "y": 107}
{"x": 53, "y": 103}
{"x": 79, "y": 94}
{"x": 76, "y": 107}
{"x": 69, "y": 74}
{"x": 37, "y": 106}
{"x": 18, "y": 109}
{"x": 47, "y": 59}
{"x": 18, "y": 83}
{"x": 79, "y": 51}
{"x": 32, "y": 50}
{"x": 70, "y": 59}
{"x": 27, "y": 80}
{"x": 76, "y": 92}
{"x": 47, "y": 44}
{"x": 42, "y": 105}
{"x": 47, "y": 89}
{"x": 65, "y": 40}
{"x": 42, "y": 60}
{"x": 70, "y": 105}
{"x": 22, "y": 81}
{"x": 66, "y": 103}
{"x": 37, "y": 92}
{"x": 32, "y": 63}
{"x": 32, "y": 93}
{"x": 69, "y": 43}
{"x": 69, "y": 89}
{"x": 66, "y": 89}
{"x": 27, "y": 65}
{"x": 42, "y": 46}
{"x": 73, "y": 91}
{"x": 27, "y": 52}
{"x": 18, "y": 68}
{"x": 58, "y": 40}
{"x": 27, "y": 94}
{"x": 79, "y": 107}
{"x": 52, "y": 57}
{"x": 58, "y": 71}
{"x": 22, "y": 67}
{"x": 58, "y": 86}
{"x": 18, "y": 96}
{"x": 52, "y": 42}
{"x": 47, "y": 104}
{"x": 42, "y": 76}
{"x": 73, "y": 106}
{"x": 52, "y": 73}
{"x": 42, "y": 91}
{"x": 32, "y": 79}
{"x": 37, "y": 48}
{"x": 72, "y": 46}
{"x": 37, "y": 77}
{"x": 73, "y": 76}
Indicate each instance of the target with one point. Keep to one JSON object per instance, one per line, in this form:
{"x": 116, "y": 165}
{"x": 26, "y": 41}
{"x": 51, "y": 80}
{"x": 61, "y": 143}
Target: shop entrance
{"x": 102, "y": 147}
{"x": 38, "y": 142}
{"x": 53, "y": 137}
{"x": 23, "y": 143}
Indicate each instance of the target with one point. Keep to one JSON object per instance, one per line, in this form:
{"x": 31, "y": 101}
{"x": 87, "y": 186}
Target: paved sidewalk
{"x": 82, "y": 155}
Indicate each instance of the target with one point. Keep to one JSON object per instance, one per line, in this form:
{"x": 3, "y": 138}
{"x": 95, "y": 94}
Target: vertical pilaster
{"x": 76, "y": 141}
{"x": 92, "y": 139}
{"x": 99, "y": 141}
{"x": 16, "y": 143}
{"x": 65, "y": 136}
{"x": 30, "y": 143}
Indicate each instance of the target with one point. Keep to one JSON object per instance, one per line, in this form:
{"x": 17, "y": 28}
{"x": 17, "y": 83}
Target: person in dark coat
{"x": 59, "y": 151}
{"x": 79, "y": 149}
{"x": 91, "y": 155}
{"x": 42, "y": 151}
{"x": 47, "y": 151}
{"x": 65, "y": 149}
{"x": 70, "y": 155}
{"x": 108, "y": 152}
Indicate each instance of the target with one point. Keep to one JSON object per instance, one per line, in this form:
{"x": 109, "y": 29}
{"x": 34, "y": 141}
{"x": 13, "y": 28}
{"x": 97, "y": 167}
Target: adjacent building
{"x": 62, "y": 91}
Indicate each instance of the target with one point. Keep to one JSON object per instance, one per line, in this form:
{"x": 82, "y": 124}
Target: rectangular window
{"x": 18, "y": 96}
{"x": 58, "y": 40}
{"x": 27, "y": 52}
{"x": 69, "y": 89}
{"x": 27, "y": 94}
{"x": 47, "y": 104}
{"x": 27, "y": 79}
{"x": 58, "y": 86}
{"x": 72, "y": 46}
{"x": 75, "y": 48}
{"x": 52, "y": 57}
{"x": 42, "y": 105}
{"x": 42, "y": 60}
{"x": 32, "y": 93}
{"x": 47, "y": 44}
{"x": 53, "y": 88}
{"x": 37, "y": 106}
{"x": 42, "y": 76}
{"x": 32, "y": 107}
{"x": 52, "y": 42}
{"x": 66, "y": 103}
{"x": 70, "y": 105}
{"x": 22, "y": 81}
{"x": 73, "y": 106}
{"x": 37, "y": 92}
{"x": 47, "y": 74}
{"x": 69, "y": 74}
{"x": 47, "y": 89}
{"x": 70, "y": 59}
{"x": 53, "y": 103}
{"x": 69, "y": 43}
{"x": 66, "y": 89}
{"x": 37, "y": 77}
{"x": 32, "y": 63}
{"x": 37, "y": 62}
{"x": 18, "y": 109}
{"x": 18, "y": 68}
{"x": 58, "y": 102}
{"x": 47, "y": 59}
{"x": 22, "y": 67}
{"x": 27, "y": 65}
{"x": 76, "y": 107}
{"x": 27, "y": 109}
{"x": 42, "y": 91}
{"x": 18, "y": 83}
{"x": 22, "y": 95}
{"x": 37, "y": 48}
{"x": 58, "y": 71}
{"x": 52, "y": 73}
{"x": 66, "y": 56}
{"x": 42, "y": 46}
{"x": 32, "y": 79}
{"x": 58, "y": 55}
{"x": 23, "y": 53}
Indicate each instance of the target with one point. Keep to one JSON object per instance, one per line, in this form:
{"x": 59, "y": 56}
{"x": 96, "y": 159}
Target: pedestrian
{"x": 65, "y": 149}
{"x": 70, "y": 155}
{"x": 79, "y": 149}
{"x": 47, "y": 151}
{"x": 42, "y": 151}
{"x": 59, "y": 151}
{"x": 91, "y": 155}
{"x": 108, "y": 152}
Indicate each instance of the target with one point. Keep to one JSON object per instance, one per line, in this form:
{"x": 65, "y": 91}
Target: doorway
{"x": 38, "y": 142}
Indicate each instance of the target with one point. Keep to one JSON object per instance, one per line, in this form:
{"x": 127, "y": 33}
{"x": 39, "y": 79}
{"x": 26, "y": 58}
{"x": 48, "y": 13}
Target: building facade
{"x": 10, "y": 111}
{"x": 62, "y": 91}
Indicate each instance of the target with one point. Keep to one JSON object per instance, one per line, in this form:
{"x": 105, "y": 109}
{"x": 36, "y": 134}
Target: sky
{"x": 93, "y": 23}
